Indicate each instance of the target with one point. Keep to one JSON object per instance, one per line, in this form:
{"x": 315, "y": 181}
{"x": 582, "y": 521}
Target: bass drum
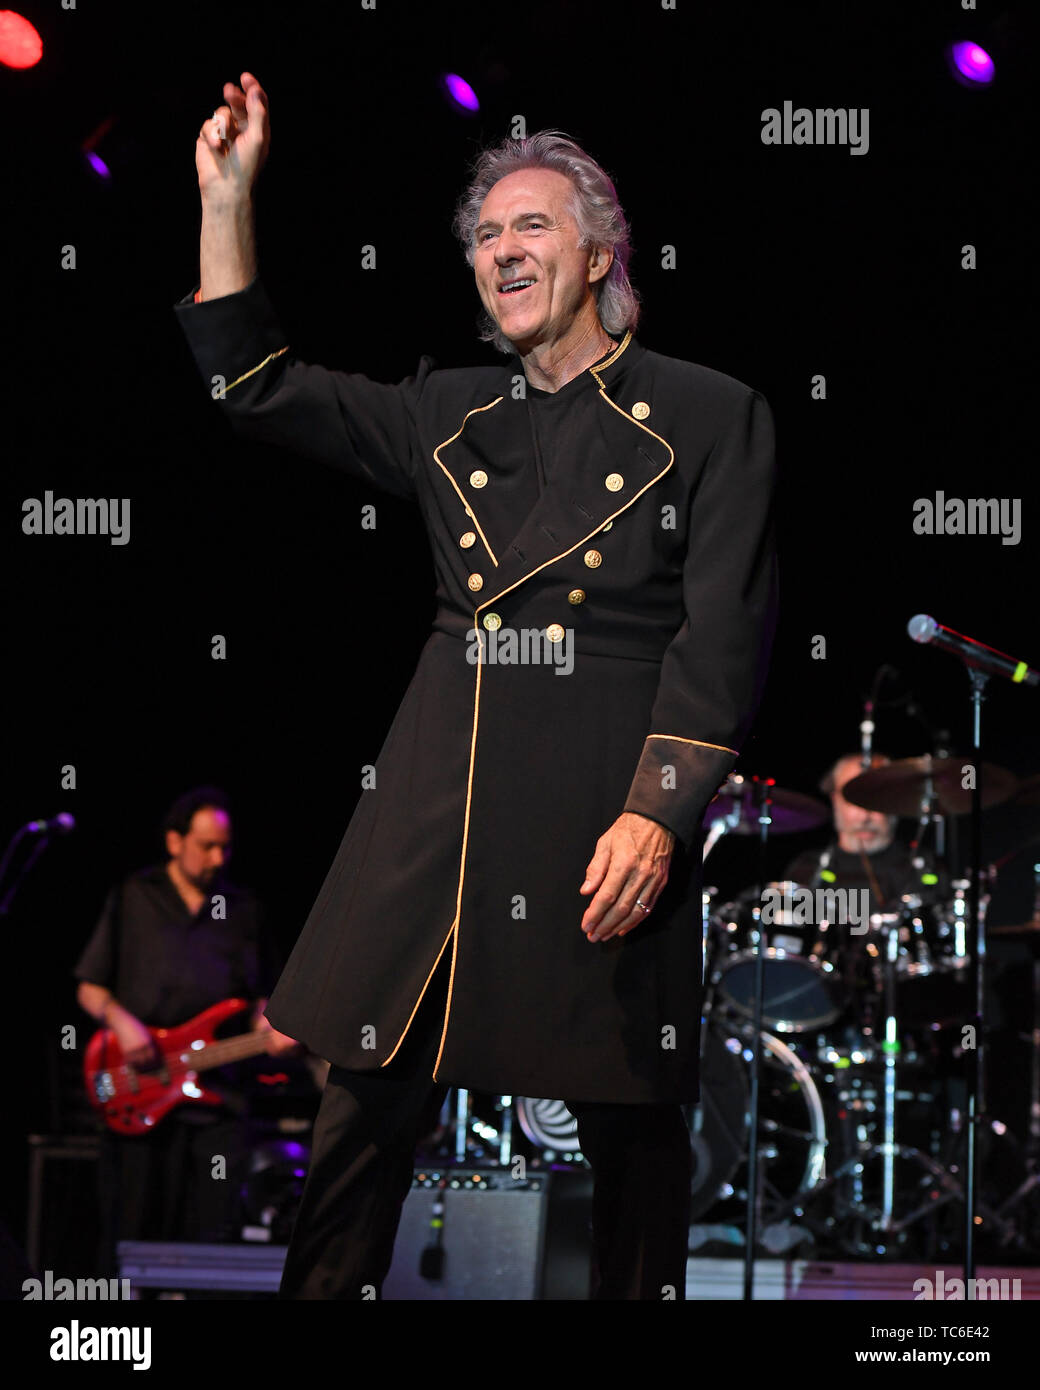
{"x": 792, "y": 1130}
{"x": 548, "y": 1125}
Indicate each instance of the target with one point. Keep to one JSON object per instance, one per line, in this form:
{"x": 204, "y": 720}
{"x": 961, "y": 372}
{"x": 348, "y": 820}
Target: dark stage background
{"x": 791, "y": 261}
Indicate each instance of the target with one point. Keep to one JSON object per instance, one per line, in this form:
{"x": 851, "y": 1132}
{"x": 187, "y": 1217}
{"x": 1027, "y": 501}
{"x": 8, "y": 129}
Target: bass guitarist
{"x": 171, "y": 941}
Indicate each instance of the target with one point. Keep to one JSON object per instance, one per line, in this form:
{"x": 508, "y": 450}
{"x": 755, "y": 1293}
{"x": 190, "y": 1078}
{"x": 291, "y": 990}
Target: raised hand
{"x": 233, "y": 144}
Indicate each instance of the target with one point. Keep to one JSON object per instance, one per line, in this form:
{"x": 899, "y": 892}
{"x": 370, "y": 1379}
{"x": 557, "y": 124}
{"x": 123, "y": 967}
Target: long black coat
{"x": 651, "y": 540}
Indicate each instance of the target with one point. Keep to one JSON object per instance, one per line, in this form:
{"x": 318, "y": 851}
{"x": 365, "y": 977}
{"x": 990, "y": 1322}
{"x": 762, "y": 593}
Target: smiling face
{"x": 527, "y": 236}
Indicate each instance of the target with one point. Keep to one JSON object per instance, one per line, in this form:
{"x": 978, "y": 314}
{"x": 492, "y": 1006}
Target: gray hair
{"x": 594, "y": 206}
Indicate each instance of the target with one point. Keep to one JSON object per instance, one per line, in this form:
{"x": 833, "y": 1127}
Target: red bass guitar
{"x": 132, "y": 1100}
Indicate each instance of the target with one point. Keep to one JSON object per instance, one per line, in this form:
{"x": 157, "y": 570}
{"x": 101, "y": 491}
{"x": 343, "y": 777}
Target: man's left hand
{"x": 630, "y": 863}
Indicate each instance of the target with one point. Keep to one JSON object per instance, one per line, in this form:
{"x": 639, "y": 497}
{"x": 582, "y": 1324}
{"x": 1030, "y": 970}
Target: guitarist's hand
{"x": 277, "y": 1043}
{"x": 133, "y": 1037}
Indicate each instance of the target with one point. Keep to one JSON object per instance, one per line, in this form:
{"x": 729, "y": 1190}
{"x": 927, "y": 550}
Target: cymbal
{"x": 1023, "y": 929}
{"x": 897, "y": 788}
{"x": 789, "y": 812}
{"x": 1028, "y": 793}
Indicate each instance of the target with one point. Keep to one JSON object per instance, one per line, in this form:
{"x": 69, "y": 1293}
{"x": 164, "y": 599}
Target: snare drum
{"x": 802, "y": 990}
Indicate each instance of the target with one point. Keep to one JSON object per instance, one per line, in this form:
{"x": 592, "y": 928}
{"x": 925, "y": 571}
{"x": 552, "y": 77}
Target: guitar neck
{"x": 224, "y": 1050}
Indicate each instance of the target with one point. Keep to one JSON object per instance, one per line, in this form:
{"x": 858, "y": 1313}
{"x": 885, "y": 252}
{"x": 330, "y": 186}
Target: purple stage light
{"x": 461, "y": 93}
{"x": 98, "y": 165}
{"x": 972, "y": 64}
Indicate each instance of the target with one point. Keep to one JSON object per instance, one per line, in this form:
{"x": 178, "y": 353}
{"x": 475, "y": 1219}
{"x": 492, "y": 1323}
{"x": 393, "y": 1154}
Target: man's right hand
{"x": 233, "y": 144}
{"x": 133, "y": 1037}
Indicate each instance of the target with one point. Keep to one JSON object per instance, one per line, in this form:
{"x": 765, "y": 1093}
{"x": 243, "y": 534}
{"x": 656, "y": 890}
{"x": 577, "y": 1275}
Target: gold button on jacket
{"x": 614, "y": 481}
{"x": 593, "y": 559}
{"x": 555, "y": 632}
{"x": 492, "y": 622}
{"x": 475, "y": 582}
{"x": 576, "y": 596}
{"x": 640, "y": 410}
{"x": 470, "y": 538}
{"x": 478, "y": 478}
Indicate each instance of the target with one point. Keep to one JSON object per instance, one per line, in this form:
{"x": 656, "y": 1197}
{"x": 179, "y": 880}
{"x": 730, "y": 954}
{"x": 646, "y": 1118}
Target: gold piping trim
{"x": 600, "y": 524}
{"x": 462, "y": 861}
{"x": 698, "y": 742}
{"x": 454, "y": 484}
{"x": 253, "y": 370}
{"x": 422, "y": 992}
{"x": 602, "y": 366}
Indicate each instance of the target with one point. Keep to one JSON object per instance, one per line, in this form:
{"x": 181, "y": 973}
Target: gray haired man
{"x": 585, "y": 485}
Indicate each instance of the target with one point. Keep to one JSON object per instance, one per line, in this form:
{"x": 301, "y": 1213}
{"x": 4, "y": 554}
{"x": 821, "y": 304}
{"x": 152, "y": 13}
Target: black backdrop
{"x": 791, "y": 261}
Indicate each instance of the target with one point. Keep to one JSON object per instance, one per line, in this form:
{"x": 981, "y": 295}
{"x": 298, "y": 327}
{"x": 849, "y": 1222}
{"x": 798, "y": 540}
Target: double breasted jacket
{"x": 646, "y": 553}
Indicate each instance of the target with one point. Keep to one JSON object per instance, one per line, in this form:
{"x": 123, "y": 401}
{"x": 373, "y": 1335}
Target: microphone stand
{"x": 753, "y": 1193}
{"x": 41, "y": 844}
{"x": 980, "y": 661}
{"x": 976, "y": 1079}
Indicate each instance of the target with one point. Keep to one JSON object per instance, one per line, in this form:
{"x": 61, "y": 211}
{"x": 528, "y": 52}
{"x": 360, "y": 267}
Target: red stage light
{"x": 20, "y": 44}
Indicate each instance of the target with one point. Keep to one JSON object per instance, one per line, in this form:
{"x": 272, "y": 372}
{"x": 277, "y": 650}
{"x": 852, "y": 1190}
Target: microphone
{"x": 61, "y": 824}
{"x": 866, "y": 733}
{"x": 926, "y": 630}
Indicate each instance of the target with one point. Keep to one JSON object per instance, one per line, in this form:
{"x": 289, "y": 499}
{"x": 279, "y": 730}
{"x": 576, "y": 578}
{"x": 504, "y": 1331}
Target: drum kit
{"x": 843, "y": 1059}
{"x": 861, "y": 1086}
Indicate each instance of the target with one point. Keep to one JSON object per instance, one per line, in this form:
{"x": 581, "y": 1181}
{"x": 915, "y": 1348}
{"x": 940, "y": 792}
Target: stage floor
{"x": 808, "y": 1280}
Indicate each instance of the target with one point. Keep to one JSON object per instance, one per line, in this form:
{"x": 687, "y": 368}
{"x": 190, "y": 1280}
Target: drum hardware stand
{"x": 976, "y": 1075}
{"x": 1032, "y": 1179}
{"x": 754, "y": 1193}
{"x": 708, "y": 896}
{"x": 882, "y": 1219}
{"x": 505, "y": 1137}
{"x": 979, "y": 660}
{"x": 929, "y": 818}
{"x": 465, "y": 1124}
{"x": 728, "y": 820}
{"x": 461, "y": 1124}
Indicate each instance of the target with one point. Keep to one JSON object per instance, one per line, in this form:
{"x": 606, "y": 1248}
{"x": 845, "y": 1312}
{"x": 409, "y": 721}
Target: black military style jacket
{"x": 646, "y": 551}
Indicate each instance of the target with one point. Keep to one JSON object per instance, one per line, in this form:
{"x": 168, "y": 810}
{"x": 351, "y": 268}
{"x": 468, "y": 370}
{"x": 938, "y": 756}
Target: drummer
{"x": 866, "y": 854}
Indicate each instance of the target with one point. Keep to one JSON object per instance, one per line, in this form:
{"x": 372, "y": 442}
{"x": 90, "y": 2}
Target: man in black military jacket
{"x": 591, "y": 493}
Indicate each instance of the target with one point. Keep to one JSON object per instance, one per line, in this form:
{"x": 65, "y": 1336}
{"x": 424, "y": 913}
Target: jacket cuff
{"x": 656, "y": 819}
{"x": 233, "y": 336}
{"x": 676, "y": 779}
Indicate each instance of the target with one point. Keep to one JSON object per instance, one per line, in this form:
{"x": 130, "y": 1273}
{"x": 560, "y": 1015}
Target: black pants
{"x": 161, "y": 1186}
{"x": 363, "y": 1156}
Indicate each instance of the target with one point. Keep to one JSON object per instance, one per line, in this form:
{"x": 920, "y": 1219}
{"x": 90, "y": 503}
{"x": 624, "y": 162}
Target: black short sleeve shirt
{"x": 165, "y": 964}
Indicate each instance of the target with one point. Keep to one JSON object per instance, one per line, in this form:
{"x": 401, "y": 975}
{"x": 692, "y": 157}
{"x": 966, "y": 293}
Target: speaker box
{"x": 496, "y": 1237}
{"x": 63, "y": 1223}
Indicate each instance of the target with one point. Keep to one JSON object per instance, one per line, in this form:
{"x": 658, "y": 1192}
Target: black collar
{"x": 607, "y": 370}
